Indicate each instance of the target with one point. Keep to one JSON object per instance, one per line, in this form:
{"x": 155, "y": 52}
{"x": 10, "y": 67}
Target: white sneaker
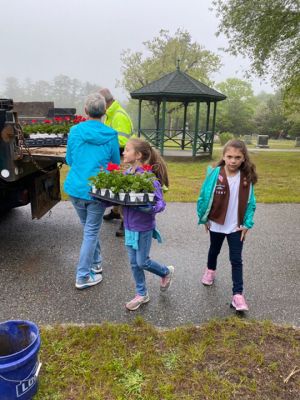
{"x": 97, "y": 269}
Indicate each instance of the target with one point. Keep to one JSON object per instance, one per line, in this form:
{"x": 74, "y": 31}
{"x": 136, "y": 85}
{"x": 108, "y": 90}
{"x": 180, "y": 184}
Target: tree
{"x": 235, "y": 115}
{"x": 13, "y": 89}
{"x": 267, "y": 31}
{"x": 160, "y": 57}
{"x": 269, "y": 118}
{"x": 163, "y": 52}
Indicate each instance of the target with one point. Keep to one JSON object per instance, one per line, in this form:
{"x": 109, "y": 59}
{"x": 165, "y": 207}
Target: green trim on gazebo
{"x": 179, "y": 87}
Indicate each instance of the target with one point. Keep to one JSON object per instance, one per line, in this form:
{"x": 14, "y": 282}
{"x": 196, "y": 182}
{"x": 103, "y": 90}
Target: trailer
{"x": 27, "y": 175}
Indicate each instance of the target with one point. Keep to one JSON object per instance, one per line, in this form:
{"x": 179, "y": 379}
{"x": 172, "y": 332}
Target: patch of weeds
{"x": 170, "y": 360}
{"x": 132, "y": 382}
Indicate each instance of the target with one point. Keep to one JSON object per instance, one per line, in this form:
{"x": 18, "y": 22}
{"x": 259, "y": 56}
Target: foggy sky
{"x": 83, "y": 39}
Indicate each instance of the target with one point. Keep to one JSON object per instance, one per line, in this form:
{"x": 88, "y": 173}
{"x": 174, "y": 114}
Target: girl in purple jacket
{"x": 139, "y": 222}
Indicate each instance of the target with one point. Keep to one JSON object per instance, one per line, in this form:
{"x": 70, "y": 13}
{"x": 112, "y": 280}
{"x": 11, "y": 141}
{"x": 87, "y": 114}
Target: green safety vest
{"x": 118, "y": 119}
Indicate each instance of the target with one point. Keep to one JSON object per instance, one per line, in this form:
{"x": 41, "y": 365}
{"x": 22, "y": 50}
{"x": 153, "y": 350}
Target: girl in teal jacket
{"x": 226, "y": 206}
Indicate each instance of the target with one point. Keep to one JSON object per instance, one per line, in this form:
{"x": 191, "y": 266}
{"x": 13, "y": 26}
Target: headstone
{"x": 262, "y": 141}
{"x": 248, "y": 139}
{"x": 297, "y": 143}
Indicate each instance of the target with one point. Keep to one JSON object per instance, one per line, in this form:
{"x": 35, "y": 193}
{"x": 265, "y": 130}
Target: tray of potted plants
{"x": 125, "y": 188}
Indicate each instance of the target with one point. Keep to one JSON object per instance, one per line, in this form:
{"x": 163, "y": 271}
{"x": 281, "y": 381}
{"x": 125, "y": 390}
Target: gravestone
{"x": 297, "y": 143}
{"x": 248, "y": 139}
{"x": 262, "y": 141}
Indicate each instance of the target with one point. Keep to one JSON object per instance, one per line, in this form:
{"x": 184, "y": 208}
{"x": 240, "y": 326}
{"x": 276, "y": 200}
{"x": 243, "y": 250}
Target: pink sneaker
{"x": 208, "y": 277}
{"x": 137, "y": 301}
{"x": 239, "y": 303}
{"x": 165, "y": 282}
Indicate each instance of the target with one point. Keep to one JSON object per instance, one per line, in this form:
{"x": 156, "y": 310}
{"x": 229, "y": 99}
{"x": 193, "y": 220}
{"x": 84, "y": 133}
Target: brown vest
{"x": 221, "y": 199}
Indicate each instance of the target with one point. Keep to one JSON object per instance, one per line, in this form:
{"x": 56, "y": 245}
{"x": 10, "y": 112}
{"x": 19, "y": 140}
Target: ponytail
{"x": 152, "y": 157}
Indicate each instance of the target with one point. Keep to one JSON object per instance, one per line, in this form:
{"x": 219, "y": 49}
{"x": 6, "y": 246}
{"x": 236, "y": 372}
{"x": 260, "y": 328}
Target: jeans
{"x": 90, "y": 214}
{"x": 235, "y": 254}
{"x": 140, "y": 261}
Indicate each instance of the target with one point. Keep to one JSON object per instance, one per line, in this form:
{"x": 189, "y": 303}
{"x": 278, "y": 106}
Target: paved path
{"x": 37, "y": 262}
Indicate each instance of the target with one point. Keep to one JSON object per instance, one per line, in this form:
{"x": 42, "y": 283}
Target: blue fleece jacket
{"x": 91, "y": 145}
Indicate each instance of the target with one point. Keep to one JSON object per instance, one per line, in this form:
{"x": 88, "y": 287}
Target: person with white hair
{"x": 91, "y": 146}
{"x": 118, "y": 119}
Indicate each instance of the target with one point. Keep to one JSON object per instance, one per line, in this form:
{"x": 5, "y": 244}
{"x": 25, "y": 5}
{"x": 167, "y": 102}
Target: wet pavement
{"x": 38, "y": 258}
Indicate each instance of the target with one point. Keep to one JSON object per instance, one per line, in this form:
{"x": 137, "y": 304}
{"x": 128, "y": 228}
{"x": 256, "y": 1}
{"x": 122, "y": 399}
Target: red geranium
{"x": 33, "y": 121}
{"x": 112, "y": 167}
{"x": 47, "y": 121}
{"x": 147, "y": 167}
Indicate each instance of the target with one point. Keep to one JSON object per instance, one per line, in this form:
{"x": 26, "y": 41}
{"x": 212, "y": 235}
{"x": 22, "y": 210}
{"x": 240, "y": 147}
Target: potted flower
{"x": 114, "y": 184}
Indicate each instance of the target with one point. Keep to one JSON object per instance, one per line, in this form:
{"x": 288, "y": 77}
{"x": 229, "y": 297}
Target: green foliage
{"x": 46, "y": 128}
{"x": 163, "y": 51}
{"x": 235, "y": 114}
{"x": 225, "y": 136}
{"x": 118, "y": 182}
{"x": 267, "y": 31}
{"x": 270, "y": 119}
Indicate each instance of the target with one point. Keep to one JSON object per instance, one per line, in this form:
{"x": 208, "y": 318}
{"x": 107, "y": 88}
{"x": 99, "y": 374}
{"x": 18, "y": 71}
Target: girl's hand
{"x": 207, "y": 226}
{"x": 244, "y": 232}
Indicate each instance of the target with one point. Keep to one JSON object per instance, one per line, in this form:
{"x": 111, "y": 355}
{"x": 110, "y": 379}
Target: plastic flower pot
{"x": 94, "y": 189}
{"x": 111, "y": 194}
{"x": 122, "y": 196}
{"x": 103, "y": 192}
{"x": 132, "y": 196}
{"x": 151, "y": 196}
{"x": 140, "y": 196}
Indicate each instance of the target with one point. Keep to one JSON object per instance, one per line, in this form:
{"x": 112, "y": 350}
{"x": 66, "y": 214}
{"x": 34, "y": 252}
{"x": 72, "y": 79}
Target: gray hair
{"x": 95, "y": 105}
{"x": 107, "y": 95}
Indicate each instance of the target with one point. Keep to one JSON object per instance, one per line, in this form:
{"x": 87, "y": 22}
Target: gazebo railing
{"x": 177, "y": 138}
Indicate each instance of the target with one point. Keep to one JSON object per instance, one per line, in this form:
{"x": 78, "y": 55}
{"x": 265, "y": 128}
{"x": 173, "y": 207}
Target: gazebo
{"x": 179, "y": 87}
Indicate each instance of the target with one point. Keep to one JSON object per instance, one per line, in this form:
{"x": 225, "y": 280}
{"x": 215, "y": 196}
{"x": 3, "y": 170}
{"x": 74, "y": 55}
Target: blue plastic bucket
{"x": 19, "y": 365}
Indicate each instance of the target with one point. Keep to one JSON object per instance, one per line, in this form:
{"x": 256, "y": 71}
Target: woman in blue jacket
{"x": 91, "y": 146}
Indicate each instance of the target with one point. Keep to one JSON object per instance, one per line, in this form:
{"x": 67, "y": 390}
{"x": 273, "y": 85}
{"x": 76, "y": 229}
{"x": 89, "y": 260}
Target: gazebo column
{"x": 195, "y": 142}
{"x": 207, "y": 116}
{"x": 213, "y": 127}
{"x": 162, "y": 130}
{"x": 157, "y": 133}
{"x": 205, "y": 146}
{"x": 139, "y": 118}
{"x": 184, "y": 126}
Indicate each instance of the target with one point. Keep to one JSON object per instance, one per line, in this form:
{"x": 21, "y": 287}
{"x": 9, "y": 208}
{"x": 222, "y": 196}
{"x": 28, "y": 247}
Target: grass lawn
{"x": 225, "y": 359}
{"x": 279, "y": 177}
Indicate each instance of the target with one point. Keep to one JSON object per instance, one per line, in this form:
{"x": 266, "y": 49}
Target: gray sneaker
{"x": 97, "y": 269}
{"x": 92, "y": 280}
{"x": 137, "y": 301}
{"x": 165, "y": 282}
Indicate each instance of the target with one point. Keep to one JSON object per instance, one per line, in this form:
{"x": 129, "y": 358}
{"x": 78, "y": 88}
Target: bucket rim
{"x": 5, "y": 360}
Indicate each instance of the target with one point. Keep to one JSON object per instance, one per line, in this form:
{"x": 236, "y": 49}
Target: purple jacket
{"x": 139, "y": 221}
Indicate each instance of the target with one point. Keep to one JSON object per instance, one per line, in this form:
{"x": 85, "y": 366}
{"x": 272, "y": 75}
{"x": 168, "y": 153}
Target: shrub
{"x": 225, "y": 136}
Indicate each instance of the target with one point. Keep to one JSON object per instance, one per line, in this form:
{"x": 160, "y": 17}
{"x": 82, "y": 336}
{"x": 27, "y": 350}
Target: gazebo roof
{"x": 177, "y": 86}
